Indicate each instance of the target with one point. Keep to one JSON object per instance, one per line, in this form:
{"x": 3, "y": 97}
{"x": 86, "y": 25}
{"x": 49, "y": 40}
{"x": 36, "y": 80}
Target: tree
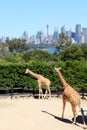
{"x": 4, "y": 49}
{"x": 72, "y": 53}
{"x": 84, "y": 49}
{"x": 17, "y": 45}
{"x": 38, "y": 55}
{"x": 63, "y": 42}
{"x": 14, "y": 57}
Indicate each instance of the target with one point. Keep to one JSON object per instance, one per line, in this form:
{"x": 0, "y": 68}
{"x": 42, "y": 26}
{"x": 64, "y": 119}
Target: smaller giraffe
{"x": 42, "y": 81}
{"x": 70, "y": 95}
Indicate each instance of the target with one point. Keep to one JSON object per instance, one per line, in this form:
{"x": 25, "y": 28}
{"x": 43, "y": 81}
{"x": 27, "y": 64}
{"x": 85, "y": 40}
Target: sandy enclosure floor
{"x": 36, "y": 114}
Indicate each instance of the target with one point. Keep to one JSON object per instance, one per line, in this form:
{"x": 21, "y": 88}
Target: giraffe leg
{"x": 64, "y": 104}
{"x": 40, "y": 93}
{"x": 45, "y": 94}
{"x": 74, "y": 114}
{"x": 40, "y": 89}
{"x": 49, "y": 93}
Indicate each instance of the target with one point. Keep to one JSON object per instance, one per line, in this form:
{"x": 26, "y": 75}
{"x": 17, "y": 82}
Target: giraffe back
{"x": 71, "y": 96}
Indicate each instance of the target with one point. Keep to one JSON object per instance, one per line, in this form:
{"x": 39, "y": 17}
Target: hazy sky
{"x": 33, "y": 15}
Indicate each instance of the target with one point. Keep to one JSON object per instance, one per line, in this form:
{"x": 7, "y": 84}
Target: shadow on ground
{"x": 58, "y": 118}
{"x": 78, "y": 119}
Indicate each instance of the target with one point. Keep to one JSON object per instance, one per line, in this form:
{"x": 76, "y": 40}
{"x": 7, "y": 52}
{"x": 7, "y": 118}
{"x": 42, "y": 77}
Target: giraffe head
{"x": 26, "y": 71}
{"x": 57, "y": 69}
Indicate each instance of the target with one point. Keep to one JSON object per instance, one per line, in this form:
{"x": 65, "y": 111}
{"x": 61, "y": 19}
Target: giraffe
{"x": 70, "y": 95}
{"x": 41, "y": 81}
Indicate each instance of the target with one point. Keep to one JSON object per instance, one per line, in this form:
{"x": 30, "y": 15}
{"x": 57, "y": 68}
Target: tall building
{"x": 73, "y": 34}
{"x": 40, "y": 36}
{"x": 63, "y": 29}
{"x": 78, "y": 33}
{"x": 55, "y": 35}
{"x": 47, "y": 29}
{"x": 3, "y": 39}
{"x": 82, "y": 39}
{"x": 84, "y": 33}
{"x": 25, "y": 36}
{"x": 68, "y": 33}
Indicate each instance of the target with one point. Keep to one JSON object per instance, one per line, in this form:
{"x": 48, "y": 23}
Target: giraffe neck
{"x": 62, "y": 80}
{"x": 34, "y": 74}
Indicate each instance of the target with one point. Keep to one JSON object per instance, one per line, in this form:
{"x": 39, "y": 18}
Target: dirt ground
{"x": 37, "y": 114}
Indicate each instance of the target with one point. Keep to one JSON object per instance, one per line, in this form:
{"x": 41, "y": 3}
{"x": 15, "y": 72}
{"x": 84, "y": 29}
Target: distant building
{"x": 68, "y": 33}
{"x": 40, "y": 37}
{"x": 25, "y": 36}
{"x": 79, "y": 36}
{"x": 55, "y": 35}
{"x": 73, "y": 35}
{"x": 63, "y": 29}
{"x": 3, "y": 39}
{"x": 78, "y": 33}
{"x": 82, "y": 39}
{"x": 32, "y": 39}
{"x": 84, "y": 34}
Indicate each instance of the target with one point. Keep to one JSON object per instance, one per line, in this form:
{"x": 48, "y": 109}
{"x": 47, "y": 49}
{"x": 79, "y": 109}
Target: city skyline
{"x": 78, "y": 36}
{"x": 30, "y": 15}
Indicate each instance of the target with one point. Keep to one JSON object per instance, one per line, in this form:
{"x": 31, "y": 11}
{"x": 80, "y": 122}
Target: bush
{"x": 13, "y": 74}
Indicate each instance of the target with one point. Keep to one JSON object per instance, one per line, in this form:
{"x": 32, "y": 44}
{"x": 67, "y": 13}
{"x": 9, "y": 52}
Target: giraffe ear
{"x": 60, "y": 68}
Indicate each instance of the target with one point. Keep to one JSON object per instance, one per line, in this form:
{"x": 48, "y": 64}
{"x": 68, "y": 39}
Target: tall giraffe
{"x": 41, "y": 81}
{"x": 70, "y": 95}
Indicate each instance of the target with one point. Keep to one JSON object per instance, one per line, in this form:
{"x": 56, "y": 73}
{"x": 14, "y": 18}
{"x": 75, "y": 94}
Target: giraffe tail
{"x": 83, "y": 117}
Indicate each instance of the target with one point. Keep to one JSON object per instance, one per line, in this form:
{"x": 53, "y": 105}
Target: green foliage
{"x": 3, "y": 49}
{"x": 17, "y": 45}
{"x": 72, "y": 60}
{"x": 14, "y": 57}
{"x": 38, "y": 55}
{"x": 75, "y": 73}
{"x": 72, "y": 53}
{"x": 84, "y": 49}
{"x": 13, "y": 74}
{"x": 63, "y": 42}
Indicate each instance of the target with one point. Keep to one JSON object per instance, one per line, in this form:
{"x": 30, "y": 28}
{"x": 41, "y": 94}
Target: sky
{"x": 33, "y": 15}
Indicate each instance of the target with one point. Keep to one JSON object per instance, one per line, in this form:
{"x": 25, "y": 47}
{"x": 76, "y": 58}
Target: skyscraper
{"x": 63, "y": 29}
{"x": 25, "y": 36}
{"x": 84, "y": 33}
{"x": 47, "y": 29}
{"x": 40, "y": 36}
{"x": 55, "y": 34}
{"x": 68, "y": 33}
{"x": 78, "y": 33}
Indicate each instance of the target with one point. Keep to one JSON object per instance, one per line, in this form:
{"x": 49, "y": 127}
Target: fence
{"x": 28, "y": 93}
